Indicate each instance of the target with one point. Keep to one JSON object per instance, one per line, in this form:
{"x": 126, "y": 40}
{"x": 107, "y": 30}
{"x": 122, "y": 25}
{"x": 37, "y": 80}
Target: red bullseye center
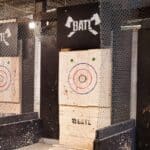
{"x": 82, "y": 78}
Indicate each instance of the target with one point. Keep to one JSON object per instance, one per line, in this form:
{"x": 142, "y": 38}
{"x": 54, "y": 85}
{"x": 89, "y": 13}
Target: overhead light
{"x": 51, "y": 10}
{"x": 47, "y": 23}
{"x": 32, "y": 25}
{"x": 131, "y": 27}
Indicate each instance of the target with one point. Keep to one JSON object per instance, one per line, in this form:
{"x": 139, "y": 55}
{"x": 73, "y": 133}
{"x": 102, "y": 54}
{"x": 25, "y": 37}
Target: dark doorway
{"x": 49, "y": 87}
{"x": 143, "y": 96}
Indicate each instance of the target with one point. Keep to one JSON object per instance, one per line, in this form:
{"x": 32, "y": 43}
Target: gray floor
{"x": 47, "y": 144}
{"x": 41, "y": 146}
{"x": 38, "y": 146}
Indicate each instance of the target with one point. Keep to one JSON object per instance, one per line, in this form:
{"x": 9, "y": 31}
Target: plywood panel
{"x": 10, "y": 108}
{"x": 85, "y": 78}
{"x": 80, "y": 124}
{"x": 10, "y": 79}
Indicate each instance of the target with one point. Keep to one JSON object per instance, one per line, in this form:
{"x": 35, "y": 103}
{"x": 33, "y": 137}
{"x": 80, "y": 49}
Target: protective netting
{"x": 114, "y": 13}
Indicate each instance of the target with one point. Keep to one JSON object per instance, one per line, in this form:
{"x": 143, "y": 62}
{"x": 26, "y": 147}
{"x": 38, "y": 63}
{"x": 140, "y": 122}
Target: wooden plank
{"x": 10, "y": 85}
{"x": 9, "y": 79}
{"x": 80, "y": 124}
{"x": 85, "y": 78}
{"x": 88, "y": 118}
{"x": 10, "y": 108}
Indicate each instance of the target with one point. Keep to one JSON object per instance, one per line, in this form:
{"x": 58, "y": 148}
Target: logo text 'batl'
{"x": 82, "y": 25}
{"x": 4, "y": 36}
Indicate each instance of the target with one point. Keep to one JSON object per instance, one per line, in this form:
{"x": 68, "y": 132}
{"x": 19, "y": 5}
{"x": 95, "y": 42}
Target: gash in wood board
{"x": 85, "y": 78}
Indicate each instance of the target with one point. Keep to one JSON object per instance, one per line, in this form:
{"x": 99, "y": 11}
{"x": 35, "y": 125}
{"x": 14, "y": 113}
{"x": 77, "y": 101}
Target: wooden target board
{"x": 84, "y": 96}
{"x": 9, "y": 79}
{"x": 85, "y": 78}
{"x": 80, "y": 124}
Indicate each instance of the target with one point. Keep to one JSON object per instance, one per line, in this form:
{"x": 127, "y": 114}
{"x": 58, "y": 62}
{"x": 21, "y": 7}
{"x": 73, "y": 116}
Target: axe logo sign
{"x": 79, "y": 26}
{"x": 4, "y": 36}
{"x": 83, "y": 25}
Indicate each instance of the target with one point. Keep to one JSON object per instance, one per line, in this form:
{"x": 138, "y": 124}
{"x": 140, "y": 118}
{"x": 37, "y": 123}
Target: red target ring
{"x": 5, "y": 78}
{"x": 82, "y": 78}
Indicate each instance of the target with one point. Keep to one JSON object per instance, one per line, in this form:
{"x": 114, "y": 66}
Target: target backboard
{"x": 85, "y": 78}
{"x": 80, "y": 124}
{"x": 9, "y": 79}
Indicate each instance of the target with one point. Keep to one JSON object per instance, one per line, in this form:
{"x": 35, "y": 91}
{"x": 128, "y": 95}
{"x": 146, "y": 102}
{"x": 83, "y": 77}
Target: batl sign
{"x": 82, "y": 25}
{"x": 4, "y": 36}
{"x": 79, "y": 26}
{"x": 8, "y": 39}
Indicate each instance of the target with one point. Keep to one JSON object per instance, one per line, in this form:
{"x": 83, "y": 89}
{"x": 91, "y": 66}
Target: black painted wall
{"x": 113, "y": 16}
{"x": 119, "y": 136}
{"x": 143, "y": 95}
{"x": 49, "y": 87}
{"x": 121, "y": 76}
{"x": 28, "y": 75}
{"x": 19, "y": 131}
{"x": 27, "y": 53}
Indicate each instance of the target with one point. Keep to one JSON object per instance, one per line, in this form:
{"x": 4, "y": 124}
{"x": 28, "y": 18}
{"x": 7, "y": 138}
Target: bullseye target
{"x": 5, "y": 78}
{"x": 82, "y": 78}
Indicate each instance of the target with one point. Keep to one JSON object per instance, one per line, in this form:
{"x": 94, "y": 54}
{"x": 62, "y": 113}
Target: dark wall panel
{"x": 49, "y": 87}
{"x": 143, "y": 108}
{"x": 26, "y": 47}
{"x": 121, "y": 76}
{"x": 113, "y": 15}
{"x": 119, "y": 136}
{"x": 19, "y": 134}
{"x": 28, "y": 75}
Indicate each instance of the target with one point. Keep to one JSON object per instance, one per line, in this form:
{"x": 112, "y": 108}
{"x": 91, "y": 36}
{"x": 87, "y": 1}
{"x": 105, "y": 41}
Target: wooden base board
{"x": 80, "y": 124}
{"x": 8, "y": 108}
{"x": 77, "y": 142}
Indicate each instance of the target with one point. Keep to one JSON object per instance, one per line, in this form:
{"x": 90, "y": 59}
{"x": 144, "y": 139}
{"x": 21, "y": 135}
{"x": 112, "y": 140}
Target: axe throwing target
{"x": 85, "y": 78}
{"x": 5, "y": 78}
{"x": 82, "y": 78}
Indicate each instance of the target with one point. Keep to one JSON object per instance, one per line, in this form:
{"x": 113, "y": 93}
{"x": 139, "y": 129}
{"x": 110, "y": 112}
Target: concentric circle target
{"x": 82, "y": 78}
{"x": 5, "y": 78}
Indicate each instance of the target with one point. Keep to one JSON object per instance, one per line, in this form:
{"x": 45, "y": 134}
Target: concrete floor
{"x": 41, "y": 146}
{"x": 38, "y": 146}
{"x": 47, "y": 144}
